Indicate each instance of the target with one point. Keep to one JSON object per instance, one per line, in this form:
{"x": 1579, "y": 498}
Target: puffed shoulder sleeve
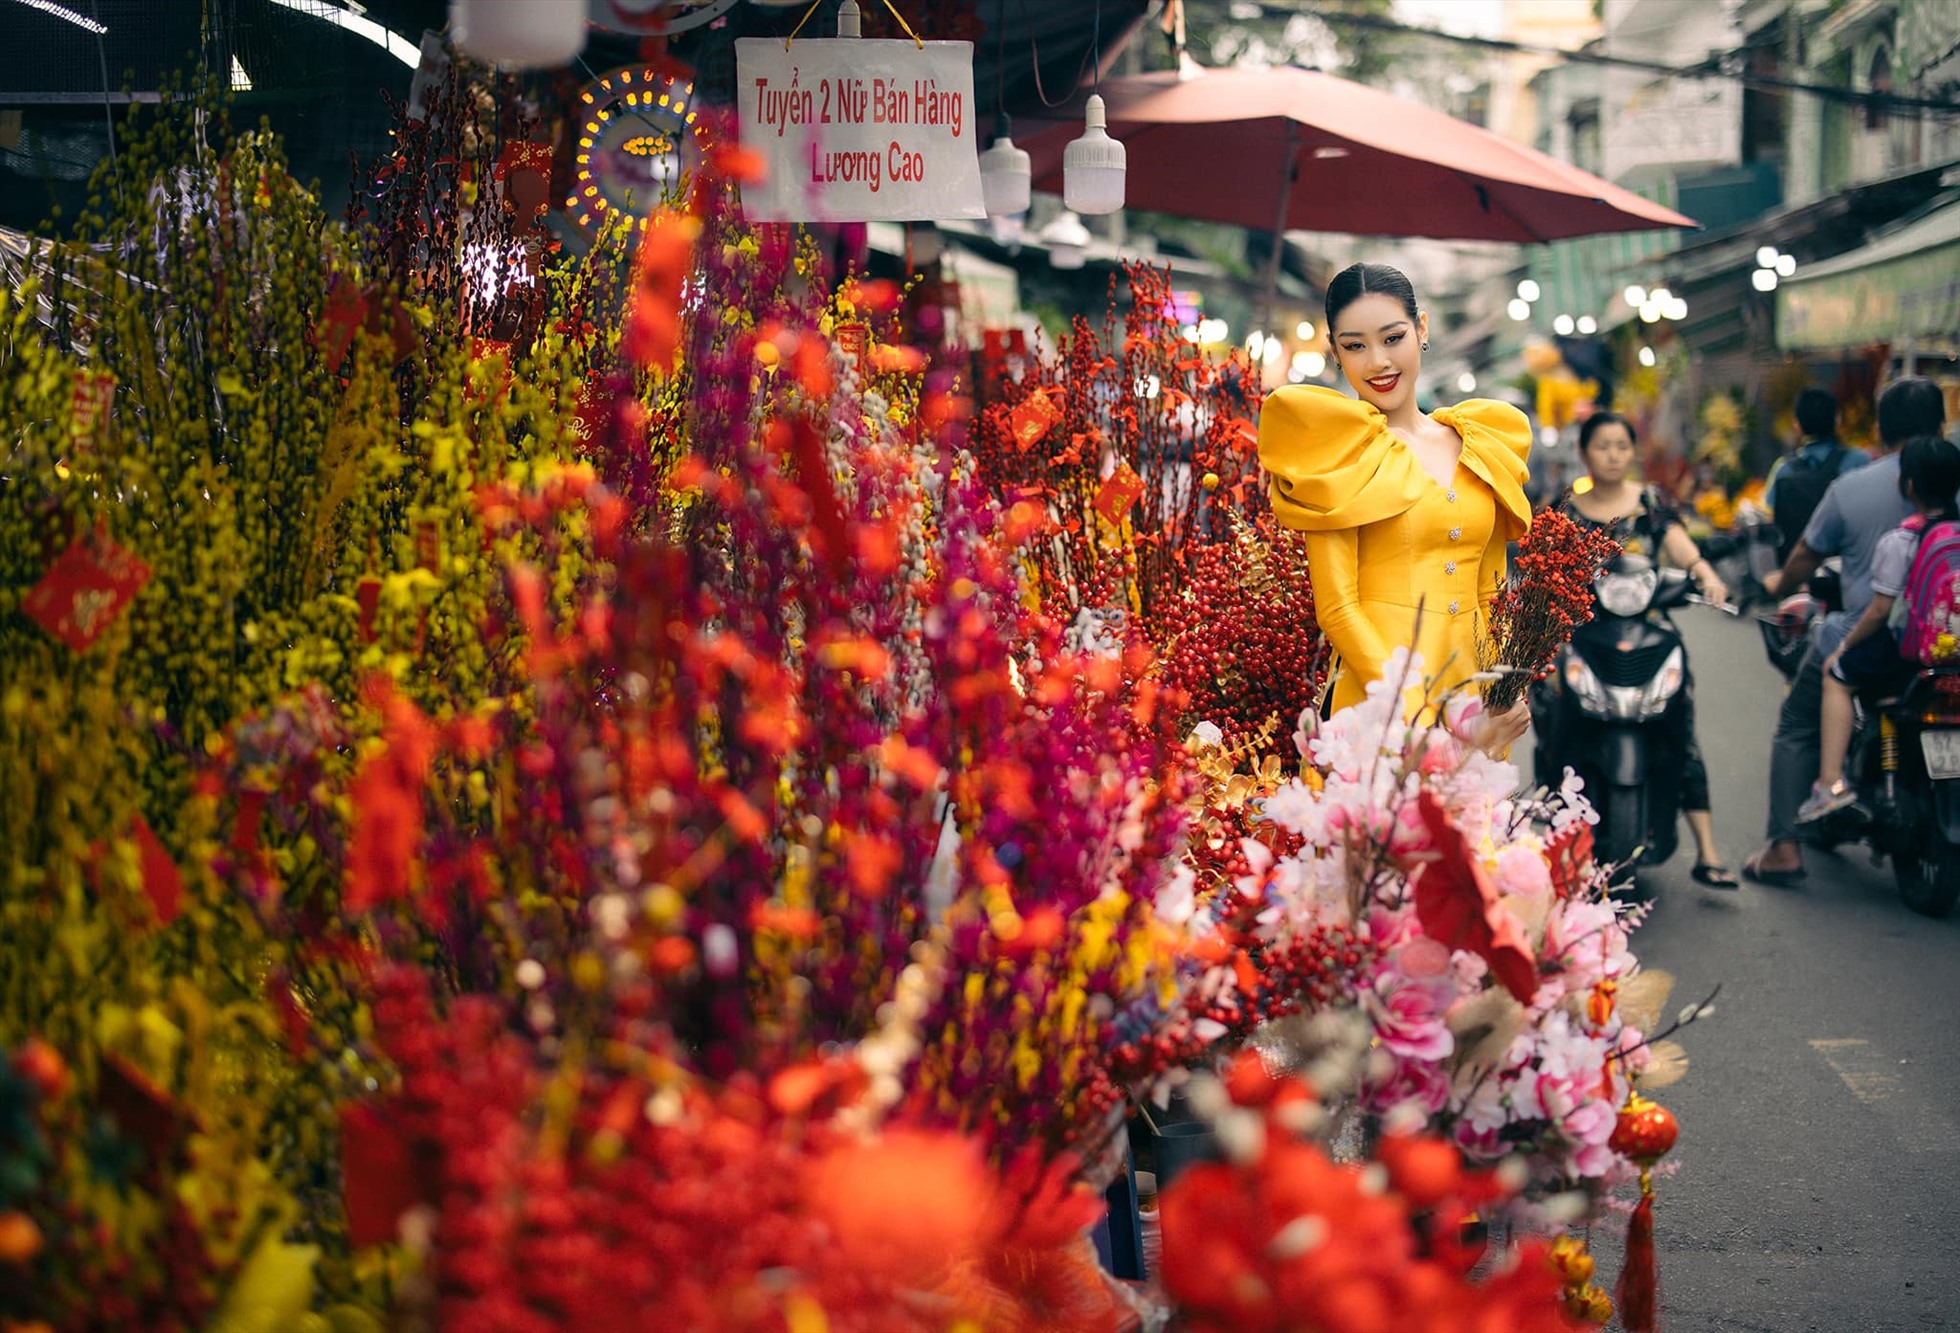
{"x": 1331, "y": 460}
{"x": 1497, "y": 447}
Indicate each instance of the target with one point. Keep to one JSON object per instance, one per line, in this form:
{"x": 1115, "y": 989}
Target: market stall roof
{"x": 1900, "y": 286}
{"x": 1297, "y": 149}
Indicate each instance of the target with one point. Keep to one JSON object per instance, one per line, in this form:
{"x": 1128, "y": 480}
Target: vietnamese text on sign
{"x": 855, "y": 130}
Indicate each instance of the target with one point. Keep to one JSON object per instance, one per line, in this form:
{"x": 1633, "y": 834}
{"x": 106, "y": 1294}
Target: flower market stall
{"x": 638, "y": 789}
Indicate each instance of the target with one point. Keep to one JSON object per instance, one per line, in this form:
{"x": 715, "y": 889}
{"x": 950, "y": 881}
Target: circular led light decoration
{"x": 638, "y": 137}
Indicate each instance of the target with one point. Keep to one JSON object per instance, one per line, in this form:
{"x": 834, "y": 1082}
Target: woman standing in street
{"x": 1643, "y": 522}
{"x": 1403, "y": 511}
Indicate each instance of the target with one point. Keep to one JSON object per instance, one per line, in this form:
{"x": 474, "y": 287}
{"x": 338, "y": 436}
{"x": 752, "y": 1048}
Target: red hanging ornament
{"x": 1645, "y": 1133}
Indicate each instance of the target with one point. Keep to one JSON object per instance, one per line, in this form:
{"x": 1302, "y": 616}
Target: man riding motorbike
{"x": 1859, "y": 508}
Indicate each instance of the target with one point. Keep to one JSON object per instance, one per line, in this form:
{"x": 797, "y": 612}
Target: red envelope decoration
{"x": 88, "y": 409}
{"x": 346, "y": 311}
{"x": 1457, "y": 905}
{"x": 367, "y": 596}
{"x": 85, "y": 589}
{"x": 163, "y": 883}
{"x": 144, "y": 1113}
{"x": 854, "y": 340}
{"x": 589, "y": 418}
{"x": 1033, "y": 418}
{"x": 525, "y": 170}
{"x": 1120, "y": 490}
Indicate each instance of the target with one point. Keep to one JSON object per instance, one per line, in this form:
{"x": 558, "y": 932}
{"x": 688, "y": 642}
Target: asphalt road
{"x": 1816, "y": 1188}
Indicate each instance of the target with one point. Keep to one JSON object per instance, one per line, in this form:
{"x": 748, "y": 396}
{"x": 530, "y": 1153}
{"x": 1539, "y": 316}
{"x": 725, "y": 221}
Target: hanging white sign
{"x": 857, "y": 130}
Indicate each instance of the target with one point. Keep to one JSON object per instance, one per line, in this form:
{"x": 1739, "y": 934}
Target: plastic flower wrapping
{"x": 640, "y": 790}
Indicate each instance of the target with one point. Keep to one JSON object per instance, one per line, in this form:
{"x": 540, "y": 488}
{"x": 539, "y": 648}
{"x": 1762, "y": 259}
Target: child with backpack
{"x": 1912, "y": 619}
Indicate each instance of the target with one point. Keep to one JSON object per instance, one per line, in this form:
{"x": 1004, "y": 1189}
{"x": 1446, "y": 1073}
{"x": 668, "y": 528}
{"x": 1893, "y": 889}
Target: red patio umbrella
{"x": 1300, "y": 150}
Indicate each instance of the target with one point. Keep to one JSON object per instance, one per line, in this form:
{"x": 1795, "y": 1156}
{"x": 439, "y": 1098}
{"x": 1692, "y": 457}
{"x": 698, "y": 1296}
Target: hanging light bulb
{"x": 1588, "y": 325}
{"x": 1786, "y": 266}
{"x": 1006, "y": 174}
{"x": 1763, "y": 279}
{"x": 1067, "y": 241}
{"x": 1635, "y": 296}
{"x": 1562, "y": 326}
{"x": 1094, "y": 165}
{"x": 1528, "y": 290}
{"x": 537, "y": 34}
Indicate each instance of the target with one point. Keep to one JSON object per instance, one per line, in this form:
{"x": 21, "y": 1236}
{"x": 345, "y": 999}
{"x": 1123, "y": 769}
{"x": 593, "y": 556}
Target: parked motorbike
{"x": 1613, "y": 710}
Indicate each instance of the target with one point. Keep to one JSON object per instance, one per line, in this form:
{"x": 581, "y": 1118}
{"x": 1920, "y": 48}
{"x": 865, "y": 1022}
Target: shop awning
{"x": 1905, "y": 285}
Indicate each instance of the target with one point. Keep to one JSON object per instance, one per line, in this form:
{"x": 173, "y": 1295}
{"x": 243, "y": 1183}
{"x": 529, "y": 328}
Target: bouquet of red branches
{"x": 1550, "y": 595}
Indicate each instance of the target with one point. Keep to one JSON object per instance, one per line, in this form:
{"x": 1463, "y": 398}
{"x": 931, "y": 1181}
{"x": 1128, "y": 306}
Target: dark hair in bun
{"x": 1358, "y": 280}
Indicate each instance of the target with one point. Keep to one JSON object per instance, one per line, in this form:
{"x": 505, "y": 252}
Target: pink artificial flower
{"x": 1408, "y": 1016}
{"x": 1585, "y": 944}
{"x": 1415, "y": 1084}
{"x": 1442, "y": 754}
{"x": 1521, "y": 870}
{"x": 1305, "y": 731}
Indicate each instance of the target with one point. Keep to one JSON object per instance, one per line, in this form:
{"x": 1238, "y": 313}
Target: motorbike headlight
{"x": 1665, "y": 685}
{"x": 1627, "y": 594}
{"x": 1584, "y": 685}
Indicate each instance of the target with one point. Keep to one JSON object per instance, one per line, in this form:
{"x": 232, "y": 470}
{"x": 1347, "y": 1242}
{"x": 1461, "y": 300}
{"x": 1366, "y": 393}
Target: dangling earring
{"x": 1425, "y": 344}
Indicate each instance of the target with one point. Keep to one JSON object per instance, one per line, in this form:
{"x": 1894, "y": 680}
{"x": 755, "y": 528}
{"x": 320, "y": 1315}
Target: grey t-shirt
{"x": 1858, "y": 510}
{"x": 1892, "y": 561}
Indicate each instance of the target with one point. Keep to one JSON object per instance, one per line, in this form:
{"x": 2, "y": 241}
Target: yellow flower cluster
{"x": 302, "y": 487}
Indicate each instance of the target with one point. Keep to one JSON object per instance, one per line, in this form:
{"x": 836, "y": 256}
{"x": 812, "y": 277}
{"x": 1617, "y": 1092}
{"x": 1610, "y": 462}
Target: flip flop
{"x": 1715, "y": 875}
{"x": 1752, "y": 870}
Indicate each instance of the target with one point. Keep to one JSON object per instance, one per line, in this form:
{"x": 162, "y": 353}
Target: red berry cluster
{"x": 1241, "y": 644}
{"x": 1123, "y": 449}
{"x": 1550, "y": 595}
{"x": 1274, "y": 980}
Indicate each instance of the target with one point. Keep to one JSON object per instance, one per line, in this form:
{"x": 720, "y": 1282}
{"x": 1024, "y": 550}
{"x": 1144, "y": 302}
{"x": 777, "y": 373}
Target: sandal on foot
{"x": 1826, "y": 801}
{"x": 1715, "y": 875}
{"x": 1754, "y": 871}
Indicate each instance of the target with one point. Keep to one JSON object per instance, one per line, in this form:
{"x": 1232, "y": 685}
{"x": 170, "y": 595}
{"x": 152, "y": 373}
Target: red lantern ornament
{"x": 1646, "y": 1131}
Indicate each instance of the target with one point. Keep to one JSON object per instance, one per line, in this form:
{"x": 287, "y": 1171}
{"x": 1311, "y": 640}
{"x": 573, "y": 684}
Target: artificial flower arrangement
{"x": 1496, "y": 949}
{"x": 667, "y": 860}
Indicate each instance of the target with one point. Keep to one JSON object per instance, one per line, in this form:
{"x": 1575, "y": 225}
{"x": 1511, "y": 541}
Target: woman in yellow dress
{"x": 1401, "y": 509}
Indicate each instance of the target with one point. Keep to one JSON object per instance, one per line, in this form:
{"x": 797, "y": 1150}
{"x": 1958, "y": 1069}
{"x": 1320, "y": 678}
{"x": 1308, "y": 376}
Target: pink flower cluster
{"x": 1528, "y": 1057}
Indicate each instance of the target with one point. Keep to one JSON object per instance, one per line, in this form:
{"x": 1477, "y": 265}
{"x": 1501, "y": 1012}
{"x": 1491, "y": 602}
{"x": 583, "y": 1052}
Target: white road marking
{"x": 1878, "y": 1079}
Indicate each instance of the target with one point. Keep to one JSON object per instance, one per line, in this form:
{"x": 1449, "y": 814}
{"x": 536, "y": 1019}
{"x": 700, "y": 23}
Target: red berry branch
{"x": 1549, "y": 596}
